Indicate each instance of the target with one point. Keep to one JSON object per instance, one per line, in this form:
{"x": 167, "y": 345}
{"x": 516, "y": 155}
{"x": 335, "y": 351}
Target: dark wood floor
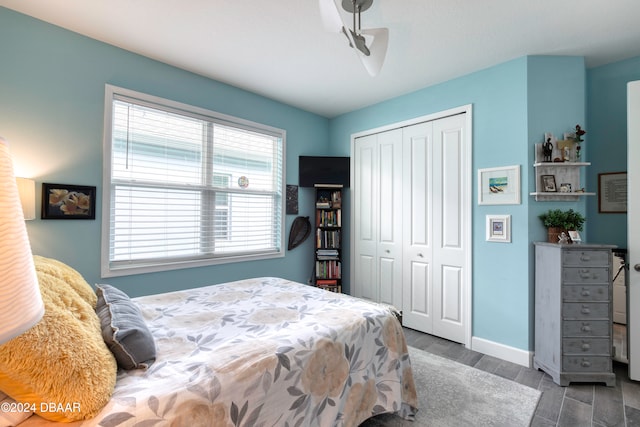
{"x": 577, "y": 405}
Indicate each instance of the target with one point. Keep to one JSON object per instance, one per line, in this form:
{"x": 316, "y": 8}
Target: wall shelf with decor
{"x": 557, "y": 181}
{"x": 328, "y": 246}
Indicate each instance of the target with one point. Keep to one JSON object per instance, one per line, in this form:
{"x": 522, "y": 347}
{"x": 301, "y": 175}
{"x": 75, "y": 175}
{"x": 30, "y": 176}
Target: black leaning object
{"x": 300, "y": 230}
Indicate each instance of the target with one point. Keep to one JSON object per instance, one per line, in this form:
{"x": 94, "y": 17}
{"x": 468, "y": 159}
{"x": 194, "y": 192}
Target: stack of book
{"x": 329, "y": 218}
{"x": 330, "y": 269}
{"x": 327, "y": 254}
{"x": 329, "y": 285}
{"x": 327, "y": 238}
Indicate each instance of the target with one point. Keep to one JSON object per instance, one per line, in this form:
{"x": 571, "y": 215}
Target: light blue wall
{"x": 498, "y": 96}
{"x": 513, "y": 105}
{"x": 51, "y": 111}
{"x": 606, "y": 140}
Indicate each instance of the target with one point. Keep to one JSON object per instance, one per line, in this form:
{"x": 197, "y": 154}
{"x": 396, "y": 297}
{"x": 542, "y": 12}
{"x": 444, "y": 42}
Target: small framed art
{"x": 549, "y": 183}
{"x": 612, "y": 192}
{"x": 292, "y": 200}
{"x": 65, "y": 201}
{"x": 574, "y": 235}
{"x": 499, "y": 186}
{"x": 499, "y": 228}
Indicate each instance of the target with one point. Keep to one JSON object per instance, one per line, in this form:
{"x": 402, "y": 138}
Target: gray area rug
{"x": 455, "y": 395}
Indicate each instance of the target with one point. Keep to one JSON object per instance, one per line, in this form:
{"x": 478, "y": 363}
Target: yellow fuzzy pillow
{"x": 61, "y": 367}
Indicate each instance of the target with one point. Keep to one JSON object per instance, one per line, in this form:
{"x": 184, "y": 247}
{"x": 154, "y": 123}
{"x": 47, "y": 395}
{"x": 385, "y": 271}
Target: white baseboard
{"x": 501, "y": 351}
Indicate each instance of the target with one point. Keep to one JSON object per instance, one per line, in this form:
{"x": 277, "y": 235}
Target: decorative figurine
{"x": 547, "y": 150}
{"x": 563, "y": 238}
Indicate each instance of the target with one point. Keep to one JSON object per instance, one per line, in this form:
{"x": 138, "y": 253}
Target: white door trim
{"x": 633, "y": 229}
{"x": 467, "y": 204}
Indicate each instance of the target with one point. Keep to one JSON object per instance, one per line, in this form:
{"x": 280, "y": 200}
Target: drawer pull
{"x": 586, "y": 347}
{"x": 585, "y": 292}
{"x": 585, "y": 363}
{"x": 584, "y": 257}
{"x": 585, "y": 328}
{"x": 585, "y": 310}
{"x": 585, "y": 274}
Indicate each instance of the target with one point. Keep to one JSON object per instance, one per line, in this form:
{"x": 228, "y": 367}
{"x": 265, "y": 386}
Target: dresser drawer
{"x": 586, "y": 364}
{"x": 585, "y": 258}
{"x": 586, "y": 328}
{"x": 585, "y": 275}
{"x": 586, "y": 346}
{"x": 577, "y": 293}
{"x": 585, "y": 310}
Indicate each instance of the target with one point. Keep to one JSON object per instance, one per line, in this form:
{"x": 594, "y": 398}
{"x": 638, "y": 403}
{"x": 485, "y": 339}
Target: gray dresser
{"x": 573, "y": 312}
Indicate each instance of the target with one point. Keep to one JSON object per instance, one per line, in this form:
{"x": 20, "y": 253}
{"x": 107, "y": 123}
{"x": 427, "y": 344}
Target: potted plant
{"x": 557, "y": 221}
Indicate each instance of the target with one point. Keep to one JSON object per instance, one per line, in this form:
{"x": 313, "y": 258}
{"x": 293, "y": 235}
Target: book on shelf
{"x": 330, "y": 269}
{"x": 327, "y": 282}
{"x": 328, "y": 185}
{"x": 327, "y": 252}
{"x": 329, "y": 218}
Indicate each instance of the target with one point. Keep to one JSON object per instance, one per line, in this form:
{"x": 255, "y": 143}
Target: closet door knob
{"x": 636, "y": 267}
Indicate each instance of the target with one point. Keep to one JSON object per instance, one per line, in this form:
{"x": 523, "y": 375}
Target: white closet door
{"x": 412, "y": 220}
{"x": 450, "y": 221}
{"x": 378, "y": 225}
{"x": 389, "y": 247}
{"x": 435, "y": 221}
{"x": 417, "y": 311}
{"x": 365, "y": 218}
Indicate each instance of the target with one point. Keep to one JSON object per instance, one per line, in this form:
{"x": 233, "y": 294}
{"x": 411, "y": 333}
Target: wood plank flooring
{"x": 578, "y": 405}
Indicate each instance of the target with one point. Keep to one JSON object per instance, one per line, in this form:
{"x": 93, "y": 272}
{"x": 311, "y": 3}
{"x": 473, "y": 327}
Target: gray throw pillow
{"x": 123, "y": 329}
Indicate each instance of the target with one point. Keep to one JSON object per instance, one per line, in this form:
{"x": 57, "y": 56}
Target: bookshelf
{"x": 328, "y": 237}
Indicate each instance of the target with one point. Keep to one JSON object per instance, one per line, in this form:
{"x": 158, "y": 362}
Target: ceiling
{"x": 279, "y": 48}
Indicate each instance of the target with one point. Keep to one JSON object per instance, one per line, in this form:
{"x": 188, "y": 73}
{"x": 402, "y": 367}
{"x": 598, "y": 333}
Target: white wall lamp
{"x": 20, "y": 300}
{"x": 27, "y": 191}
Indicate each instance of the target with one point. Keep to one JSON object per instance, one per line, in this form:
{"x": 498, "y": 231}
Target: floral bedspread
{"x": 263, "y": 352}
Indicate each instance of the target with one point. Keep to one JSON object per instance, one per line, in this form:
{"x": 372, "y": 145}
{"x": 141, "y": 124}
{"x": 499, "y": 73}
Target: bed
{"x": 262, "y": 352}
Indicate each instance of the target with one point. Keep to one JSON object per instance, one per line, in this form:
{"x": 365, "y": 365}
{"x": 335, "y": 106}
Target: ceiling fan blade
{"x": 377, "y": 39}
{"x": 330, "y": 15}
{"x": 360, "y": 43}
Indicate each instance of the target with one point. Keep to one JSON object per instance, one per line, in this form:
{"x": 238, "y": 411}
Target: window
{"x": 187, "y": 187}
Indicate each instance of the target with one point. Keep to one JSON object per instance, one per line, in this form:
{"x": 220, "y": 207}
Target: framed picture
{"x": 292, "y": 199}
{"x": 612, "y": 192}
{"x": 565, "y": 187}
{"x": 574, "y": 235}
{"x": 65, "y": 201}
{"x": 499, "y": 186}
{"x": 549, "y": 183}
{"x": 499, "y": 228}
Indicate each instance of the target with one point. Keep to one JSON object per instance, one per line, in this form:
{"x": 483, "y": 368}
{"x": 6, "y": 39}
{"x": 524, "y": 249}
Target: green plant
{"x": 567, "y": 220}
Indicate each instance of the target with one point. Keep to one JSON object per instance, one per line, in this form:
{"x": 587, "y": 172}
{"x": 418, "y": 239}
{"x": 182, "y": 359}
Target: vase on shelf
{"x": 578, "y": 148}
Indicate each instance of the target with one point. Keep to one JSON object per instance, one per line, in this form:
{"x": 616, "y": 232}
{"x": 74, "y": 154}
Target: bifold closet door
{"x": 378, "y": 220}
{"x": 433, "y": 223}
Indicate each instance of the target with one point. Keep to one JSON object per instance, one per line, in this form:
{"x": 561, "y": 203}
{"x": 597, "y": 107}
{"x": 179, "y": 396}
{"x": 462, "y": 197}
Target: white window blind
{"x": 188, "y": 187}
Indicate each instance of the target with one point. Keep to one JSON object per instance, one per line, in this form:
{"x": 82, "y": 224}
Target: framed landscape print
{"x": 499, "y": 186}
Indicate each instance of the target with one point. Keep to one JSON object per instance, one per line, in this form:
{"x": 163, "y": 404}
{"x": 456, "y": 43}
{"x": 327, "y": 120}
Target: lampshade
{"x": 330, "y": 16}
{"x": 27, "y": 191}
{"x": 20, "y": 301}
{"x": 377, "y": 39}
